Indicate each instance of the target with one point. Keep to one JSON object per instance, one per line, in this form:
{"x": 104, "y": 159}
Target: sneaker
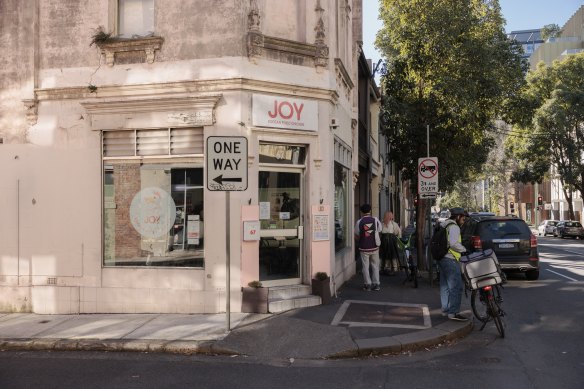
{"x": 376, "y": 287}
{"x": 457, "y": 316}
{"x": 366, "y": 288}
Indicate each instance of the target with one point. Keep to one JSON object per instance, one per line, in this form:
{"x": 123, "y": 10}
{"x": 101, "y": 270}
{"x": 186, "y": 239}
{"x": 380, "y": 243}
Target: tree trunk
{"x": 421, "y": 215}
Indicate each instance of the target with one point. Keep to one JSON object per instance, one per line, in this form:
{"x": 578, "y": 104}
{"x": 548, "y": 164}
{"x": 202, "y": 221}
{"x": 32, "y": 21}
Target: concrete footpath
{"x": 397, "y": 319}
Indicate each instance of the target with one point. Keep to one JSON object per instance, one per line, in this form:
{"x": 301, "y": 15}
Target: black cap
{"x": 366, "y": 208}
{"x": 458, "y": 211}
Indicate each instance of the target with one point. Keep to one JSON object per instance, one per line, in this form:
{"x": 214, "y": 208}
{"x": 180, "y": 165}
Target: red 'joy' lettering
{"x": 285, "y": 110}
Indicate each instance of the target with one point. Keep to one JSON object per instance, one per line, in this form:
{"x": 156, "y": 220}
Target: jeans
{"x": 372, "y": 257}
{"x": 450, "y": 285}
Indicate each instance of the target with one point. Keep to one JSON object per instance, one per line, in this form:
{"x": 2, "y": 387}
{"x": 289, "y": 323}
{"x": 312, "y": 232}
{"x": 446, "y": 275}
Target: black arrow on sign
{"x": 220, "y": 179}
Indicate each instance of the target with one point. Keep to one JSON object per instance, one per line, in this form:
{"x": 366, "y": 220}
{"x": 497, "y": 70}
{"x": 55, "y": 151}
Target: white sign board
{"x": 284, "y": 112}
{"x": 427, "y": 176}
{"x": 226, "y": 163}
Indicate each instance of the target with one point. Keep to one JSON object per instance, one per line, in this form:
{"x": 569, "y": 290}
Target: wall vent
{"x": 52, "y": 281}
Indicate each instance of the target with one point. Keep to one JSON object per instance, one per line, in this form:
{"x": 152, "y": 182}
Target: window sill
{"x": 141, "y": 46}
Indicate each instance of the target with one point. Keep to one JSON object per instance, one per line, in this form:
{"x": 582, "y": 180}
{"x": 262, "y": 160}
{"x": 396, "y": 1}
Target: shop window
{"x": 135, "y": 18}
{"x": 341, "y": 206}
{"x": 282, "y": 154}
{"x": 153, "y": 206}
{"x": 153, "y": 215}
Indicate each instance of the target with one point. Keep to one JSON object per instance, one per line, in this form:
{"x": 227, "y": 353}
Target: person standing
{"x": 390, "y": 233}
{"x": 450, "y": 276}
{"x": 365, "y": 230}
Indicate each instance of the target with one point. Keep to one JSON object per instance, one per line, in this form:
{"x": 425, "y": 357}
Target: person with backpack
{"x": 367, "y": 230}
{"x": 450, "y": 276}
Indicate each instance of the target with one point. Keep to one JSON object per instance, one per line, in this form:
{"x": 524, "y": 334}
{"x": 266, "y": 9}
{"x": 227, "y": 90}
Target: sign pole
{"x": 228, "y": 261}
{"x": 227, "y": 171}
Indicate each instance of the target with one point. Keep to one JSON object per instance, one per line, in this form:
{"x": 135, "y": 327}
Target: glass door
{"x": 281, "y": 221}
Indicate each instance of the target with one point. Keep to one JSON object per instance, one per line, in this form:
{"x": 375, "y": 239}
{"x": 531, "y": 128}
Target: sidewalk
{"x": 396, "y": 319}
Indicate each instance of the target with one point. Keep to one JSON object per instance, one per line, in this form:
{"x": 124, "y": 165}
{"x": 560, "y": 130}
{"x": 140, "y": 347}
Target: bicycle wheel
{"x": 479, "y": 305}
{"x": 495, "y": 314}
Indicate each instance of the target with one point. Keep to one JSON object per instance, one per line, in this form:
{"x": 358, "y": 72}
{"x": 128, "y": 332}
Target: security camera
{"x": 334, "y": 123}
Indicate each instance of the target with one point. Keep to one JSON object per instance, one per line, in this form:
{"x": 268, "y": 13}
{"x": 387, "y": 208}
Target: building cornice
{"x": 186, "y": 87}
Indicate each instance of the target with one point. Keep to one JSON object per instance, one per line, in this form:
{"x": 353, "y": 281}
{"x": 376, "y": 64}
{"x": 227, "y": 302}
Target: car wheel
{"x": 532, "y": 275}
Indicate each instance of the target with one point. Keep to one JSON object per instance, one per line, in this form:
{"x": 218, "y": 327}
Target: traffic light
{"x": 512, "y": 206}
{"x": 540, "y": 200}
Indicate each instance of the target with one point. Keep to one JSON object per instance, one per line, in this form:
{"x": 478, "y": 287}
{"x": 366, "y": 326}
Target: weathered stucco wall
{"x": 15, "y": 68}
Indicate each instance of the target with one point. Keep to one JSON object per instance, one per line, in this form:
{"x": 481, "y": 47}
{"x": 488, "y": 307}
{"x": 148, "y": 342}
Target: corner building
{"x": 107, "y": 201}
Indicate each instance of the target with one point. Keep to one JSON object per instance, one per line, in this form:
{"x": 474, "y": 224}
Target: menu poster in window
{"x": 193, "y": 229}
{"x": 320, "y": 227}
{"x": 265, "y": 210}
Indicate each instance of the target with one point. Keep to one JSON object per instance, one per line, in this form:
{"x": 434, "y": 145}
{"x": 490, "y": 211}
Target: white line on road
{"x": 561, "y": 275}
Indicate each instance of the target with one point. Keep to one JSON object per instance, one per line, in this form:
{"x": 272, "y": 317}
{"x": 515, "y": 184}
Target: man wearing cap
{"x": 450, "y": 276}
{"x": 365, "y": 230}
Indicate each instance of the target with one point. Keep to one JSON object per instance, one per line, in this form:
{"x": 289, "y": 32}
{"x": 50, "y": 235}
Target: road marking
{"x": 339, "y": 316}
{"x": 561, "y": 275}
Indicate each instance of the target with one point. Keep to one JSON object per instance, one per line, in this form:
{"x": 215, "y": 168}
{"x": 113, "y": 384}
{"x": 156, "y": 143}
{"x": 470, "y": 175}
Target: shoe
{"x": 376, "y": 287}
{"x": 457, "y": 317}
{"x": 367, "y": 288}
{"x": 444, "y": 314}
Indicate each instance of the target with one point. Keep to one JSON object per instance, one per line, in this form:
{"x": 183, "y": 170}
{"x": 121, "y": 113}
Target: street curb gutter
{"x": 153, "y": 346}
{"x": 415, "y": 341}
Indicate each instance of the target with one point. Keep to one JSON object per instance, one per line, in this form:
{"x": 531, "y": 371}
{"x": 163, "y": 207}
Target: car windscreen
{"x": 499, "y": 229}
{"x": 573, "y": 224}
{"x": 552, "y": 223}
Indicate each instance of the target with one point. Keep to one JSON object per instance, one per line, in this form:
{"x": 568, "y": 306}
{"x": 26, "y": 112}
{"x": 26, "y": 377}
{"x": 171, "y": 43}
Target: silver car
{"x": 569, "y": 228}
{"x": 546, "y": 227}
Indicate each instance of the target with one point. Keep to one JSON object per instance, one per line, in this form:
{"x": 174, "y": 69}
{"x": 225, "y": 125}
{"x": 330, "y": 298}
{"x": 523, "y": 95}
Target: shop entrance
{"x": 281, "y": 219}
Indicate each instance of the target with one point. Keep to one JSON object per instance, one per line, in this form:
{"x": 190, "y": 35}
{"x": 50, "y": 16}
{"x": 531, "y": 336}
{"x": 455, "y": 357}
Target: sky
{"x": 519, "y": 14}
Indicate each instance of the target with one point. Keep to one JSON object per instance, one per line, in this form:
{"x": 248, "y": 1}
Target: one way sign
{"x": 226, "y": 163}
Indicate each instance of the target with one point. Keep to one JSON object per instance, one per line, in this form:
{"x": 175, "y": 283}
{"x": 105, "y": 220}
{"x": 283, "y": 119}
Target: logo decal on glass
{"x": 152, "y": 212}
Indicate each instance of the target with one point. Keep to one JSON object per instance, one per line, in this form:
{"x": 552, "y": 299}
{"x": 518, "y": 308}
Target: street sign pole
{"x": 226, "y": 172}
{"x": 228, "y": 260}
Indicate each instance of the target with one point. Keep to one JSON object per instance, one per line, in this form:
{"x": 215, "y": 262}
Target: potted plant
{"x": 254, "y": 298}
{"x": 321, "y": 286}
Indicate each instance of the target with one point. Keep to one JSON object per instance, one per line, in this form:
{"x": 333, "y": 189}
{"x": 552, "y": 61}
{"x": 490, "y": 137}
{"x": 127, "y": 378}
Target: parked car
{"x": 569, "y": 228}
{"x": 481, "y": 215}
{"x": 512, "y": 241}
{"x": 546, "y": 227}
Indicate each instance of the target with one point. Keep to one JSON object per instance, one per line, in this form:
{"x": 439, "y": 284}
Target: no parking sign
{"x": 427, "y": 177}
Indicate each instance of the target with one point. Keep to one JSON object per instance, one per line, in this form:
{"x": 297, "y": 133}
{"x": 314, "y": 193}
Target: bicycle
{"x": 407, "y": 261}
{"x": 486, "y": 306}
{"x": 484, "y": 278}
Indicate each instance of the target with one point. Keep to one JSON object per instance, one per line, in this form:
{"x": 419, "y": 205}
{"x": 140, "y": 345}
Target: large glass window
{"x": 135, "y": 18}
{"x": 153, "y": 214}
{"x": 341, "y": 211}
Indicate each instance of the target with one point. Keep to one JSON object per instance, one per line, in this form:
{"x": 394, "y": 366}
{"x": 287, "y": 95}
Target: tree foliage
{"x": 449, "y": 66}
{"x": 554, "y": 99}
{"x": 550, "y": 31}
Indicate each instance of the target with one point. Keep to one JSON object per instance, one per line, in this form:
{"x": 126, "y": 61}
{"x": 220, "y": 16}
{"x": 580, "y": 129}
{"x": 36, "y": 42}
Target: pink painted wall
{"x": 250, "y": 250}
{"x": 320, "y": 249}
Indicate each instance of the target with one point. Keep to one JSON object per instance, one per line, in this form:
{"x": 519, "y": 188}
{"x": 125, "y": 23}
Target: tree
{"x": 554, "y": 137}
{"x": 449, "y": 66}
{"x": 550, "y": 31}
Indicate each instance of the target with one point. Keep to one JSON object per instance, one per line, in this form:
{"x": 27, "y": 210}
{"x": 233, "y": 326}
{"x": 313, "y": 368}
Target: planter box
{"x": 254, "y": 300}
{"x": 322, "y": 289}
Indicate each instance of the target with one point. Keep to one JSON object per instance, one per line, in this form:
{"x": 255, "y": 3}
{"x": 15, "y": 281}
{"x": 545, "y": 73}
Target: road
{"x": 542, "y": 349}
